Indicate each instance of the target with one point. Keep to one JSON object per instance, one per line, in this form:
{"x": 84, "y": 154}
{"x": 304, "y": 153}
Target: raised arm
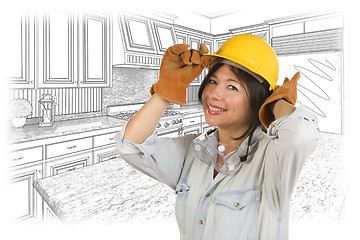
{"x": 144, "y": 122}
{"x": 294, "y": 135}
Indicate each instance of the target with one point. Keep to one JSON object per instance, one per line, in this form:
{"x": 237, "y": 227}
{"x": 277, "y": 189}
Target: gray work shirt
{"x": 251, "y": 201}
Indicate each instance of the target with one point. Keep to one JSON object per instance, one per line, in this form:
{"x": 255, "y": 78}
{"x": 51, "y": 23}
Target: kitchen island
{"x": 113, "y": 191}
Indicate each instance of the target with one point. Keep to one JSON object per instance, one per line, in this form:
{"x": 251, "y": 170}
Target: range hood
{"x": 141, "y": 41}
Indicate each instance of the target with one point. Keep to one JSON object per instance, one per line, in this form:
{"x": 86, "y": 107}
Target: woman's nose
{"x": 216, "y": 92}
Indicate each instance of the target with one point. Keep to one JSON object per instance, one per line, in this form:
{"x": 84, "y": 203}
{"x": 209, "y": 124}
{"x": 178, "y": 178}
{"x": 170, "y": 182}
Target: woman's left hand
{"x": 287, "y": 91}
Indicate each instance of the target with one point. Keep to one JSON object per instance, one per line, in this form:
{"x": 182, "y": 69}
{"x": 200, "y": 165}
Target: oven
{"x": 169, "y": 125}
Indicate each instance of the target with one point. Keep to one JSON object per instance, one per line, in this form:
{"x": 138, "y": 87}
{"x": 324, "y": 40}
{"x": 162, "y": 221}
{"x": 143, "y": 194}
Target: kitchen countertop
{"x": 113, "y": 191}
{"x": 110, "y": 191}
{"x": 61, "y": 128}
{"x": 66, "y": 127}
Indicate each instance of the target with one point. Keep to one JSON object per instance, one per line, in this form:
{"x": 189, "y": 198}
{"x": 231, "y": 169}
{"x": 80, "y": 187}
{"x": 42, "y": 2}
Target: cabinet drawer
{"x": 63, "y": 148}
{"x": 24, "y": 156}
{"x": 192, "y": 130}
{"x": 70, "y": 166}
{"x": 105, "y": 139}
{"x": 67, "y": 164}
{"x": 191, "y": 121}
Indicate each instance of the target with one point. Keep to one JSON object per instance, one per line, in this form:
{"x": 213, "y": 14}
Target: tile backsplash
{"x": 69, "y": 100}
{"x": 130, "y": 85}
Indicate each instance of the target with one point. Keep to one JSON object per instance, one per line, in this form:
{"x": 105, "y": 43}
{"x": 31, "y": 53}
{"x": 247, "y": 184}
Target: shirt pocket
{"x": 236, "y": 214}
{"x": 182, "y": 193}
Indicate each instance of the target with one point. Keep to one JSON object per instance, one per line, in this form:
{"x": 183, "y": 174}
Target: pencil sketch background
{"x": 332, "y": 175}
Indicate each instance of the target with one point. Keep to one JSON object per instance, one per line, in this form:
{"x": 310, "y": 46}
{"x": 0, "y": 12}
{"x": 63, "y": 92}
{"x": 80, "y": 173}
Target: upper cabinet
{"x": 145, "y": 40}
{"x": 57, "y": 51}
{"x": 61, "y": 49}
{"x": 19, "y": 42}
{"x": 165, "y": 35}
{"x": 96, "y": 50}
{"x": 137, "y": 34}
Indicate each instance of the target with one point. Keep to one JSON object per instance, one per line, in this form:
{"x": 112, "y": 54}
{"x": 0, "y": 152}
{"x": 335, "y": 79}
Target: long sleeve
{"x": 293, "y": 138}
{"x": 160, "y": 158}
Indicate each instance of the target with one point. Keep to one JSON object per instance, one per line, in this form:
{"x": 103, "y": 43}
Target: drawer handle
{"x": 17, "y": 159}
{"x": 111, "y": 138}
{"x": 71, "y": 147}
{"x": 192, "y": 121}
{"x": 71, "y": 169}
{"x": 113, "y": 157}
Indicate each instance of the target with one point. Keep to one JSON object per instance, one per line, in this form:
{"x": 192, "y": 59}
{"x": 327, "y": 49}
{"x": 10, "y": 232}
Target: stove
{"x": 170, "y": 124}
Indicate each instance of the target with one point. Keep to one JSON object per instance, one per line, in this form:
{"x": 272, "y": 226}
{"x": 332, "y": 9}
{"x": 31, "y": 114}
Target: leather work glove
{"x": 179, "y": 67}
{"x": 287, "y": 91}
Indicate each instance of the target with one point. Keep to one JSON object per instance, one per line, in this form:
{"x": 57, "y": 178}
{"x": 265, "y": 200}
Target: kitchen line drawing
{"x": 94, "y": 72}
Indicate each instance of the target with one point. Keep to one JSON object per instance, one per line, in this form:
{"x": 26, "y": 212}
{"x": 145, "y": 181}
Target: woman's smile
{"x": 215, "y": 110}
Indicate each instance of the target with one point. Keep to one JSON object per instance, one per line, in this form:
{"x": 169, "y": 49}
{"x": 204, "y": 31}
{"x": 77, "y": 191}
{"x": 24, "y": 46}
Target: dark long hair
{"x": 257, "y": 93}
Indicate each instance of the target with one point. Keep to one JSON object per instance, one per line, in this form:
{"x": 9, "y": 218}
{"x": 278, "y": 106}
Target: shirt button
{"x": 236, "y": 204}
{"x": 200, "y": 222}
{"x": 207, "y": 195}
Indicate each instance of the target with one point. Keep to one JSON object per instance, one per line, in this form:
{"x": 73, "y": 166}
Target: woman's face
{"x": 225, "y": 102}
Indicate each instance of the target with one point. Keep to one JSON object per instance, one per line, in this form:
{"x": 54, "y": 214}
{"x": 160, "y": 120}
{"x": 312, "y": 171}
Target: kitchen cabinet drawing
{"x": 20, "y": 71}
{"x": 96, "y": 68}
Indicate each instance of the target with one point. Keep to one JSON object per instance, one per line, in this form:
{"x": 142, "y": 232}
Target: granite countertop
{"x": 61, "y": 128}
{"x": 113, "y": 191}
{"x": 110, "y": 191}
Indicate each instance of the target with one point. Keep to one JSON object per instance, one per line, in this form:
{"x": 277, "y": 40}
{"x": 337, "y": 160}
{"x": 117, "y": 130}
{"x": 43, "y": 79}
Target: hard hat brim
{"x": 221, "y": 59}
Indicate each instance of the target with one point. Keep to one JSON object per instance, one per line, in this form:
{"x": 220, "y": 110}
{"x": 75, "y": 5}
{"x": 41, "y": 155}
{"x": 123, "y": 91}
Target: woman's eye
{"x": 231, "y": 87}
{"x": 212, "y": 81}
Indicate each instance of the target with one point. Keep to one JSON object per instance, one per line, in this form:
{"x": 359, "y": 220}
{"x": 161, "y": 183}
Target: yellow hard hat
{"x": 254, "y": 54}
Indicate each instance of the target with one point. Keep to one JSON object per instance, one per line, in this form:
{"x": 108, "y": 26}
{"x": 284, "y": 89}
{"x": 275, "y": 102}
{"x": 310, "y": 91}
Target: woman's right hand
{"x": 179, "y": 67}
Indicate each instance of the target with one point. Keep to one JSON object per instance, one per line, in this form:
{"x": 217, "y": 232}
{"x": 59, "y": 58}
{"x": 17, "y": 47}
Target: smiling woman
{"x": 235, "y": 181}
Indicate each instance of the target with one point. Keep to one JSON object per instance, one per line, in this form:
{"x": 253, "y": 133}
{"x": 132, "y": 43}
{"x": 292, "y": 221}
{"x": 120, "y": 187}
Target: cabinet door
{"x": 105, "y": 154}
{"x": 95, "y": 50}
{"x": 66, "y": 164}
{"x": 181, "y": 38}
{"x": 57, "y": 38}
{"x": 165, "y": 36}
{"x": 210, "y": 45}
{"x": 19, "y": 41}
{"x": 194, "y": 43}
{"x": 25, "y": 204}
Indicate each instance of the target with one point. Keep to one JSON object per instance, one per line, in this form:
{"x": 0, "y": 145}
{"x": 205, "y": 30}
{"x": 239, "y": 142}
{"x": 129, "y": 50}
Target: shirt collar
{"x": 234, "y": 160}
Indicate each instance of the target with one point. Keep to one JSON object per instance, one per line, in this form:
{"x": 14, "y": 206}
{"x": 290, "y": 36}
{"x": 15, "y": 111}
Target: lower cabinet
{"x": 192, "y": 130}
{"x": 67, "y": 163}
{"x": 32, "y": 161}
{"x": 105, "y": 153}
{"x": 26, "y": 203}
